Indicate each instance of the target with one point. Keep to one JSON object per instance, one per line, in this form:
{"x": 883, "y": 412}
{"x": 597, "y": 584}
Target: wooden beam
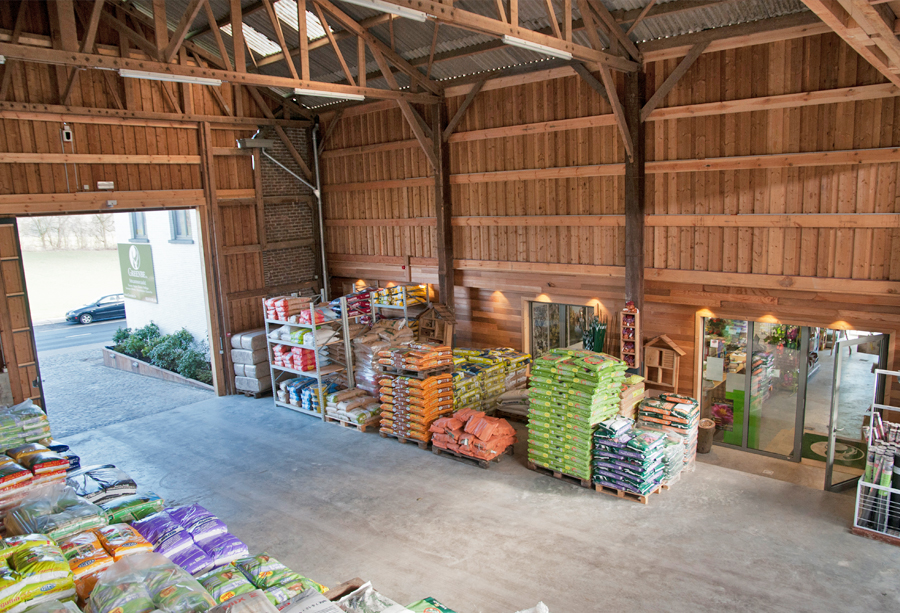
{"x": 187, "y": 18}
{"x": 90, "y": 33}
{"x": 332, "y": 124}
{"x": 567, "y": 20}
{"x": 543, "y": 127}
{"x": 303, "y": 42}
{"x": 614, "y": 29}
{"x": 443, "y": 204}
{"x": 36, "y": 204}
{"x": 113, "y": 89}
{"x": 160, "y": 28}
{"x": 134, "y": 37}
{"x": 63, "y": 58}
{"x": 501, "y": 10}
{"x": 618, "y": 111}
{"x": 537, "y": 221}
{"x": 452, "y": 16}
{"x": 304, "y": 168}
{"x": 640, "y": 17}
{"x": 215, "y": 91}
{"x": 803, "y": 220}
{"x": 361, "y": 61}
{"x": 187, "y": 92}
{"x": 588, "y": 78}
{"x": 366, "y": 149}
{"x": 457, "y": 117}
{"x": 634, "y": 192}
{"x": 334, "y": 45}
{"x": 667, "y": 85}
{"x": 551, "y": 15}
{"x": 217, "y": 35}
{"x": 884, "y": 155}
{"x": 590, "y": 25}
{"x": 14, "y": 39}
{"x": 76, "y": 114}
{"x": 406, "y": 109}
{"x": 279, "y": 35}
{"x": 528, "y": 174}
{"x": 63, "y": 37}
{"x": 221, "y": 22}
{"x": 514, "y": 12}
{"x": 240, "y": 58}
{"x": 376, "y": 44}
{"x": 94, "y": 158}
{"x": 434, "y": 38}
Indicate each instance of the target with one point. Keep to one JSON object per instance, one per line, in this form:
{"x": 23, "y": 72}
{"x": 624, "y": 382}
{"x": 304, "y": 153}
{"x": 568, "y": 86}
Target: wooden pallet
{"x": 405, "y": 439}
{"x": 416, "y": 374}
{"x": 561, "y": 476}
{"x": 466, "y": 459}
{"x": 643, "y": 499}
{"x": 372, "y": 423}
{"x": 255, "y": 395}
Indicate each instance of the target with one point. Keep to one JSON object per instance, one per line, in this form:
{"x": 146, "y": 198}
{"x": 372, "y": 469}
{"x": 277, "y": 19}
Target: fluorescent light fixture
{"x": 315, "y": 92}
{"x": 393, "y": 9}
{"x": 536, "y": 47}
{"x": 256, "y": 143}
{"x": 2, "y": 59}
{"x": 171, "y": 78}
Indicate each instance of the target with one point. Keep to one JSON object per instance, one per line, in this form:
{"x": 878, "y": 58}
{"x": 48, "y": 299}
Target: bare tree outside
{"x": 61, "y": 232}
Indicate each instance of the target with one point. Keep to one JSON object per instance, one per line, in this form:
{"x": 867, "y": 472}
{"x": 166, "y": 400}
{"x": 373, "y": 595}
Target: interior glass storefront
{"x": 780, "y": 389}
{"x": 558, "y": 325}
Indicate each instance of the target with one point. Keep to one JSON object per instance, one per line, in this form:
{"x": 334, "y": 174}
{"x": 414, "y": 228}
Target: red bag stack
{"x": 474, "y": 434}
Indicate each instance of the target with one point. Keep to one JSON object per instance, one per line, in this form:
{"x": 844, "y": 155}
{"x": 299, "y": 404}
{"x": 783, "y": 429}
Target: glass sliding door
{"x": 724, "y": 372}
{"x": 778, "y": 366}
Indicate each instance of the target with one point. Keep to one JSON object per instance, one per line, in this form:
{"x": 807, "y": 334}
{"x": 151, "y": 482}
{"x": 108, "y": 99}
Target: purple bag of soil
{"x": 166, "y": 535}
{"x": 193, "y": 559}
{"x": 224, "y": 548}
{"x": 200, "y": 523}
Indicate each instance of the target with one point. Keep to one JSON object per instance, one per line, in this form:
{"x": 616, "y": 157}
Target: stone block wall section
{"x": 289, "y": 220}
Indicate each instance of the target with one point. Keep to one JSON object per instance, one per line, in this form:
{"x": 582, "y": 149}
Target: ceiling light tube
{"x": 322, "y": 94}
{"x": 2, "y": 59}
{"x": 171, "y": 78}
{"x": 387, "y": 7}
{"x": 536, "y": 47}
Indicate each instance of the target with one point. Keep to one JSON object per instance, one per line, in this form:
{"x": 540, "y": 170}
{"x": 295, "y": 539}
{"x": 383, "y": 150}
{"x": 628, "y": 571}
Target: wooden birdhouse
{"x": 661, "y": 358}
{"x": 436, "y": 325}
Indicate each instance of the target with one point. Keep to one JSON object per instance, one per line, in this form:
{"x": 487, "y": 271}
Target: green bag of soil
{"x": 428, "y": 605}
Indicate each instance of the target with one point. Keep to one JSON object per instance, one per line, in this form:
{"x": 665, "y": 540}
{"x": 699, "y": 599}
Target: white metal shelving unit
{"x": 341, "y": 328}
{"x": 877, "y": 506}
{"x": 405, "y": 306}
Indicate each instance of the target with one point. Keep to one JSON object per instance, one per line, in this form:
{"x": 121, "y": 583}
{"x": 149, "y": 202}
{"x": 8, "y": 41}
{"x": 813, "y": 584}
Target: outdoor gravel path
{"x": 82, "y": 394}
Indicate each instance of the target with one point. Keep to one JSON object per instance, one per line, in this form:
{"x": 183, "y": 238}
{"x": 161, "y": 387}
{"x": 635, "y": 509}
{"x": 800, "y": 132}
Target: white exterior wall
{"x": 179, "y": 283}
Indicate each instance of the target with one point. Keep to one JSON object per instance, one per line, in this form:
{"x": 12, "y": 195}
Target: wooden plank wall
{"x": 15, "y": 320}
{"x": 526, "y": 155}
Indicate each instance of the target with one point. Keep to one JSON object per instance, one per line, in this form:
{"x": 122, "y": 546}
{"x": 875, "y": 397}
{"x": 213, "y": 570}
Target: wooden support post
{"x": 213, "y": 276}
{"x": 634, "y": 191}
{"x": 442, "y": 203}
{"x": 160, "y": 28}
{"x": 240, "y": 59}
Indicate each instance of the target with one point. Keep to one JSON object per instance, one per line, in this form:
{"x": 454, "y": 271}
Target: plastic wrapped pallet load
{"x": 250, "y": 358}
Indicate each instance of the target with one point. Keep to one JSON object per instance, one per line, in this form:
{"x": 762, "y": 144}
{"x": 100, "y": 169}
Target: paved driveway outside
{"x": 82, "y": 394}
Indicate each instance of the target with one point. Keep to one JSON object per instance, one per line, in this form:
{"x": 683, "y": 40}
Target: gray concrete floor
{"x": 334, "y": 503}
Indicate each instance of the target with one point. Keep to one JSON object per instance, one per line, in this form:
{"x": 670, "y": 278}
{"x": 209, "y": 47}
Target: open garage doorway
{"x": 117, "y": 305}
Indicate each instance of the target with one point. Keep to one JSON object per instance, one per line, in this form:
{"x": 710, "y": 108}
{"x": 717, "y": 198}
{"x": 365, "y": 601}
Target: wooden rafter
{"x": 303, "y": 41}
{"x": 412, "y": 118}
{"x": 551, "y": 15}
{"x": 434, "y": 38}
{"x": 618, "y": 109}
{"x": 227, "y": 19}
{"x": 863, "y": 28}
{"x": 110, "y": 81}
{"x": 667, "y": 85}
{"x": 331, "y": 126}
{"x": 501, "y": 11}
{"x": 459, "y": 18}
{"x": 457, "y": 117}
{"x": 215, "y": 90}
{"x": 334, "y": 45}
{"x": 567, "y": 20}
{"x": 361, "y": 61}
{"x": 279, "y": 34}
{"x": 613, "y": 28}
{"x": 181, "y": 30}
{"x": 133, "y": 37}
{"x": 10, "y": 66}
{"x": 84, "y": 60}
{"x": 323, "y": 42}
{"x": 217, "y": 35}
{"x": 640, "y": 17}
{"x": 377, "y": 45}
{"x": 160, "y": 27}
{"x": 590, "y": 26}
{"x": 87, "y": 45}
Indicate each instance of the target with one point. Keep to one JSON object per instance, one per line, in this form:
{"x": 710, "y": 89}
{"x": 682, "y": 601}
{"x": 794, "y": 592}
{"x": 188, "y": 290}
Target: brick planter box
{"x": 120, "y": 361}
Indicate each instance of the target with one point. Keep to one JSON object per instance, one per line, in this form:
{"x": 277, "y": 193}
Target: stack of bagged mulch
{"x": 473, "y": 434}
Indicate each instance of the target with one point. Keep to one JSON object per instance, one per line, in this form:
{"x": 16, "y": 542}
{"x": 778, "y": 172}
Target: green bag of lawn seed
{"x": 225, "y": 583}
{"x": 428, "y": 605}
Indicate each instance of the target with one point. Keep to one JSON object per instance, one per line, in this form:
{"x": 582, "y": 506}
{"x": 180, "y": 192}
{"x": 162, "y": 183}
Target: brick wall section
{"x": 291, "y": 221}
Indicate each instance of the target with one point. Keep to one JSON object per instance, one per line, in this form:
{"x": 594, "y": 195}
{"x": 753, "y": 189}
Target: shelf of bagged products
{"x": 310, "y": 326}
{"x": 336, "y": 341}
{"x": 292, "y": 407}
{"x": 399, "y": 307}
{"x": 325, "y": 370}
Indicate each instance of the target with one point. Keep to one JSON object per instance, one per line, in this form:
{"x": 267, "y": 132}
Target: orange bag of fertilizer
{"x": 90, "y": 563}
{"x": 121, "y": 540}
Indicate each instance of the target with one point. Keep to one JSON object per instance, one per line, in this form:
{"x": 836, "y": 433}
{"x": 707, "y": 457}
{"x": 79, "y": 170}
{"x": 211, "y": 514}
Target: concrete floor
{"x": 334, "y": 503}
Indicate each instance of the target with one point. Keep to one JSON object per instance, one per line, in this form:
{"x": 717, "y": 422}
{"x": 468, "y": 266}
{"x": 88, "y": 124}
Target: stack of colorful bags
{"x": 34, "y": 570}
{"x": 192, "y": 537}
{"x": 570, "y": 392}
{"x": 313, "y": 396}
{"x": 358, "y": 303}
{"x": 295, "y": 358}
{"x": 473, "y": 434}
{"x": 56, "y": 511}
{"x": 393, "y": 296}
{"x": 23, "y": 423}
{"x": 627, "y": 458}
{"x": 290, "y": 391}
{"x": 409, "y": 405}
{"x": 675, "y": 414}
{"x": 466, "y": 389}
{"x": 495, "y": 371}
{"x": 262, "y": 572}
{"x": 15, "y": 484}
{"x": 631, "y": 395}
{"x": 282, "y": 308}
{"x": 354, "y": 406}
{"x": 417, "y": 357}
{"x": 46, "y": 466}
